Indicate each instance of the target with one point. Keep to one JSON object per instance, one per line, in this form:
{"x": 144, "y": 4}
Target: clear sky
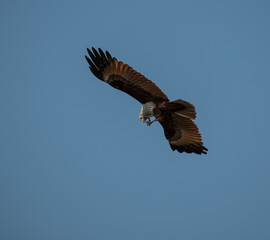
{"x": 75, "y": 160}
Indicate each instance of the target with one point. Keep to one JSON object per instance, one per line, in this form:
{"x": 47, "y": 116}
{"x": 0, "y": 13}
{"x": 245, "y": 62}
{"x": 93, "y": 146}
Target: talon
{"x": 150, "y": 122}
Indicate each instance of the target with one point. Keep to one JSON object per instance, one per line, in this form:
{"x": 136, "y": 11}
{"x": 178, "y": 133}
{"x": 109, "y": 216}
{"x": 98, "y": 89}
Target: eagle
{"x": 174, "y": 116}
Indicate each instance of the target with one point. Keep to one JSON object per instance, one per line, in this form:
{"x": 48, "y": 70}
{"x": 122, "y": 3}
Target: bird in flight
{"x": 174, "y": 116}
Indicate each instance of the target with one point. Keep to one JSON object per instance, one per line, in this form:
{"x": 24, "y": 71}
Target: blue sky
{"x": 75, "y": 160}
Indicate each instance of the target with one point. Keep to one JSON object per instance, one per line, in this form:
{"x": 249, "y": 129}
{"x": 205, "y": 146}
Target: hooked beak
{"x": 142, "y": 119}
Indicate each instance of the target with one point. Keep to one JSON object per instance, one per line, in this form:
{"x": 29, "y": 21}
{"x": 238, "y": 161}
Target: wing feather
{"x": 182, "y": 134}
{"x": 103, "y": 57}
{"x": 123, "y": 77}
{"x": 109, "y": 57}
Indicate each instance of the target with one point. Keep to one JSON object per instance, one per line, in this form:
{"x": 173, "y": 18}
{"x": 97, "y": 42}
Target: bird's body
{"x": 174, "y": 116}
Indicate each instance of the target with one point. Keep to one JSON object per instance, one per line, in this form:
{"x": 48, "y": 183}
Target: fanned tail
{"x": 181, "y": 108}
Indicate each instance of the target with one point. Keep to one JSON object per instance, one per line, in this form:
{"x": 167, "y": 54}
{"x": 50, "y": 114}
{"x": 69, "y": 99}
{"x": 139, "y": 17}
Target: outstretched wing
{"x": 182, "y": 134}
{"x": 123, "y": 77}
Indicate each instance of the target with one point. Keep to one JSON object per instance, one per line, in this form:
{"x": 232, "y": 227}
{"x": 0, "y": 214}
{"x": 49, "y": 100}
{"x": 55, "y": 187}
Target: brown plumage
{"x": 174, "y": 116}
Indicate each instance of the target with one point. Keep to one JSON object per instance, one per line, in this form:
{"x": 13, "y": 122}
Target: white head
{"x": 147, "y": 111}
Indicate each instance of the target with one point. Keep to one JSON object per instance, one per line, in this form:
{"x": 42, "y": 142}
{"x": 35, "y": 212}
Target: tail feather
{"x": 181, "y": 108}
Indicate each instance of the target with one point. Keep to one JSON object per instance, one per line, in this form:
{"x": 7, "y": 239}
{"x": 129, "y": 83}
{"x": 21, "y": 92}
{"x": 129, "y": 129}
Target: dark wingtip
{"x": 172, "y": 147}
{"x": 96, "y": 53}
{"x": 100, "y": 50}
{"x": 109, "y": 57}
{"x": 204, "y": 148}
{"x": 87, "y": 59}
{"x": 198, "y": 149}
{"x": 89, "y": 51}
{"x": 98, "y": 61}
